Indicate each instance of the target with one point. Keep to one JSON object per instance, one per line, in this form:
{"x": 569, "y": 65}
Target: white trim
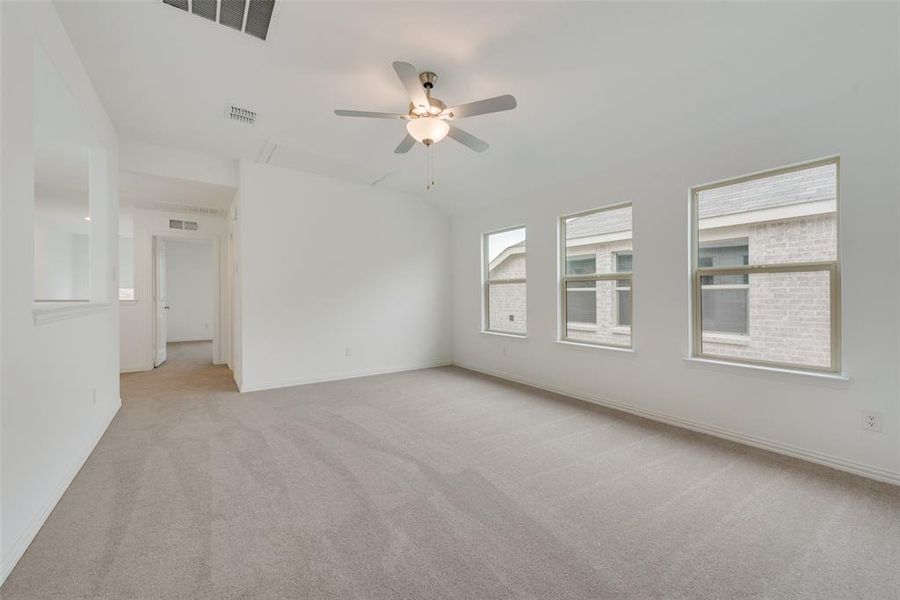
{"x": 27, "y": 536}
{"x": 568, "y": 342}
{"x": 739, "y": 364}
{"x": 293, "y": 381}
{"x": 849, "y": 466}
{"x": 731, "y": 339}
{"x": 43, "y": 316}
{"x": 517, "y": 336}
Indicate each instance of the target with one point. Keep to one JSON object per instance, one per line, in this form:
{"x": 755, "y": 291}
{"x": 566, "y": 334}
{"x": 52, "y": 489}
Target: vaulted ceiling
{"x": 595, "y": 81}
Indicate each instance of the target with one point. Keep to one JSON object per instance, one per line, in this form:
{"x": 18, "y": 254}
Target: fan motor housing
{"x": 428, "y": 79}
{"x": 436, "y": 107}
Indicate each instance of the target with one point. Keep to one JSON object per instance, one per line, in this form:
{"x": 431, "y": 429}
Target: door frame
{"x": 155, "y": 243}
{"x": 217, "y": 289}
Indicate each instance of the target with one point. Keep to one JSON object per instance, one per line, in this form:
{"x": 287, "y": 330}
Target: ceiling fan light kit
{"x": 428, "y": 130}
{"x": 428, "y": 118}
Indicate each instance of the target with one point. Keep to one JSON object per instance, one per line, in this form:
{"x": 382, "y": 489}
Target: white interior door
{"x": 161, "y": 304}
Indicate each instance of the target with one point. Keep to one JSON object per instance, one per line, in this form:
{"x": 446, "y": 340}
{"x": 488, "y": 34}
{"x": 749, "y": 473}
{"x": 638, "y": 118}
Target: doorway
{"x": 185, "y": 299}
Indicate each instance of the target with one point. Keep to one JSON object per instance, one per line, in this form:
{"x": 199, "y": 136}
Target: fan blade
{"x": 405, "y": 145}
{"x": 481, "y": 107}
{"x": 369, "y": 114}
{"x": 467, "y": 139}
{"x": 409, "y": 77}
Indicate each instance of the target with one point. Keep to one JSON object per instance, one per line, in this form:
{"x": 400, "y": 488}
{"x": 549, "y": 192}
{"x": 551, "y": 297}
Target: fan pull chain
{"x": 429, "y": 168}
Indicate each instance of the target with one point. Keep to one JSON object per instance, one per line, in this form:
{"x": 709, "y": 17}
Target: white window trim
{"x": 564, "y": 279}
{"x": 64, "y": 311}
{"x": 833, "y": 267}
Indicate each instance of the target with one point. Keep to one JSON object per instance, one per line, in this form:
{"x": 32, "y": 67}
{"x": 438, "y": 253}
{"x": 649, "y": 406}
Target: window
{"x": 725, "y": 297}
{"x": 766, "y": 276}
{"x": 595, "y": 288}
{"x": 504, "y": 281}
{"x": 623, "y": 290}
{"x": 582, "y": 294}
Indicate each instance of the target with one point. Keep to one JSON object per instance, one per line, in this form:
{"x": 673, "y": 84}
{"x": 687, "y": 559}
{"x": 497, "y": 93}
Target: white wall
{"x": 191, "y": 290}
{"x": 854, "y": 116}
{"x": 326, "y": 265}
{"x": 138, "y": 316}
{"x": 126, "y": 260}
{"x": 177, "y": 163}
{"x": 60, "y": 385}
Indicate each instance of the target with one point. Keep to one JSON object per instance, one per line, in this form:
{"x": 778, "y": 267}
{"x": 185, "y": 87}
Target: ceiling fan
{"x": 429, "y": 120}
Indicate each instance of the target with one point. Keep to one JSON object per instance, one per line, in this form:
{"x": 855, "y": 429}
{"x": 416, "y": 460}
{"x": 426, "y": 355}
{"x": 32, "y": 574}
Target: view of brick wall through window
{"x": 506, "y": 301}
{"x": 776, "y": 317}
{"x": 599, "y": 312}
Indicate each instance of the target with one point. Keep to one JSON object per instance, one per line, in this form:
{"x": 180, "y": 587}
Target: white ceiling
{"x": 595, "y": 82}
{"x": 141, "y": 190}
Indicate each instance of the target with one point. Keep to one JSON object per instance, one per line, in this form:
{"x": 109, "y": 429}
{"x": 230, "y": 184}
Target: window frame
{"x": 486, "y": 283}
{"x": 832, "y": 267}
{"x": 564, "y": 279}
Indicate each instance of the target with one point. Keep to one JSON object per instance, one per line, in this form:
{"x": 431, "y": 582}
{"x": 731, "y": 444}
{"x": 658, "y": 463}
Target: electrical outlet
{"x": 872, "y": 421}
{"x": 503, "y": 350}
{"x": 348, "y": 351}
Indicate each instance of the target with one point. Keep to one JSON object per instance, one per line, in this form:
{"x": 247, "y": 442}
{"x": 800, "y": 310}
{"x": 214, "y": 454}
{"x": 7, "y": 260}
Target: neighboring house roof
{"x": 806, "y": 186}
{"x": 797, "y": 187}
{"x": 518, "y": 248}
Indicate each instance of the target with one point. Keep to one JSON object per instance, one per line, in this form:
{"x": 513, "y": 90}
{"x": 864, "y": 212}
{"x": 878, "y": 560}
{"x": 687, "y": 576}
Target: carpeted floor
{"x": 441, "y": 483}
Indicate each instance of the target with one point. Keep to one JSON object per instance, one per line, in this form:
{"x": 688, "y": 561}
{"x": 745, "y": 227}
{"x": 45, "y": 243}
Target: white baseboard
{"x": 872, "y": 472}
{"x": 282, "y": 383}
{"x": 27, "y": 536}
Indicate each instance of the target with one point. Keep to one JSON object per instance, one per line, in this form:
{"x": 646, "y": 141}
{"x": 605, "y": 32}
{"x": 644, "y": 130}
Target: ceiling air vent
{"x": 241, "y": 115}
{"x": 258, "y": 16}
{"x": 231, "y": 13}
{"x": 184, "y": 225}
{"x": 250, "y": 16}
{"x": 205, "y": 8}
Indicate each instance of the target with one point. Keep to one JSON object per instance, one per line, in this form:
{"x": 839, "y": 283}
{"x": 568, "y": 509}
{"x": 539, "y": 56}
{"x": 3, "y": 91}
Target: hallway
{"x": 188, "y": 370}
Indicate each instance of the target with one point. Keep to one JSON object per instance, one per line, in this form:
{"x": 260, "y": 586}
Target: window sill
{"x": 63, "y": 311}
{"x": 515, "y": 336}
{"x": 790, "y": 374}
{"x": 628, "y": 351}
{"x": 128, "y": 302}
{"x": 735, "y": 339}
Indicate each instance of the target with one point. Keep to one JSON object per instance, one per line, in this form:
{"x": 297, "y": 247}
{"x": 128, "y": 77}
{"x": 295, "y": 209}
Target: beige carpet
{"x": 441, "y": 483}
